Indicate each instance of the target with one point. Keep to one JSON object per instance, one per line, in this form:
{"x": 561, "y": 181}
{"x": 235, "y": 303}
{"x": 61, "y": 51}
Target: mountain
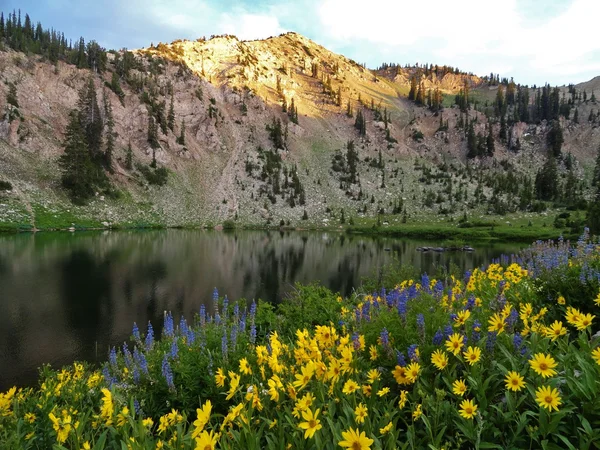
{"x": 271, "y": 135}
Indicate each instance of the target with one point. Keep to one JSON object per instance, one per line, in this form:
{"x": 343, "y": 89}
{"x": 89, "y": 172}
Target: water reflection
{"x": 67, "y": 296}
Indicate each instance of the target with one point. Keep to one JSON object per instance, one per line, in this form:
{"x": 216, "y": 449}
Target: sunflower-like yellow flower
{"x": 514, "y": 381}
{"x": 572, "y": 316}
{"x": 203, "y": 415}
{"x": 360, "y": 413}
{"x": 560, "y": 300}
{"x": 584, "y": 321}
{"x": 472, "y": 355}
{"x": 373, "y": 375}
{"x": 400, "y": 375}
{"x": 462, "y": 317}
{"x": 356, "y": 440}
{"x": 385, "y": 430}
{"x": 548, "y": 398}
{"x": 439, "y": 359}
{"x": 373, "y": 353}
{"x": 233, "y": 384}
{"x": 555, "y": 330}
{"x": 459, "y": 387}
{"x": 596, "y": 355}
{"x": 107, "y": 408}
{"x": 206, "y": 441}
{"x": 62, "y": 426}
{"x": 496, "y": 323}
{"x": 350, "y": 387}
{"x": 311, "y": 424}
{"x": 122, "y": 416}
{"x": 383, "y": 392}
{"x": 597, "y": 300}
{"x": 245, "y": 367}
{"x": 418, "y": 412}
{"x": 412, "y": 371}
{"x": 467, "y": 409}
{"x": 403, "y": 399}
{"x": 543, "y": 365}
{"x": 220, "y": 378}
{"x": 455, "y": 343}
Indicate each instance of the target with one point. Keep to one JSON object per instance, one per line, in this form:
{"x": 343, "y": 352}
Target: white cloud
{"x": 250, "y": 26}
{"x": 482, "y": 38}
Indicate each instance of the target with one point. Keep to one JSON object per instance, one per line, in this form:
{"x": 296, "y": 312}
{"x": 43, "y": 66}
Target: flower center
{"x": 469, "y": 410}
{"x": 515, "y": 382}
{"x": 312, "y": 423}
{"x": 543, "y": 366}
{"x": 356, "y": 446}
{"x": 548, "y": 399}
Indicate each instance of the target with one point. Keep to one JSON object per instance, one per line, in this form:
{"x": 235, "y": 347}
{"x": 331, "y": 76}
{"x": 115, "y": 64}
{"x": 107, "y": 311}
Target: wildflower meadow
{"x": 506, "y": 356}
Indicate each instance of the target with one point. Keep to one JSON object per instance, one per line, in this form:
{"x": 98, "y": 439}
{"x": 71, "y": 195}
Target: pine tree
{"x": 181, "y": 139}
{"x": 91, "y": 120}
{"x": 555, "y": 139}
{"x": 546, "y": 181}
{"x": 153, "y": 138}
{"x": 576, "y": 116}
{"x": 75, "y": 162}
{"x": 129, "y": 157}
{"x": 489, "y": 142}
{"x": 171, "y": 116}
{"x": 472, "y": 151}
{"x": 596, "y": 176}
{"x": 110, "y": 138}
{"x": 502, "y": 134}
{"x": 11, "y": 96}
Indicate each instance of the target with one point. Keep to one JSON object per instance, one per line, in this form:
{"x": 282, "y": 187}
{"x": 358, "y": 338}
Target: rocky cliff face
{"x": 231, "y": 94}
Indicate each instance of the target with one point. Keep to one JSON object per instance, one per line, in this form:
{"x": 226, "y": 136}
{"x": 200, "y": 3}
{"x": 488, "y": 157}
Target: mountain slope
{"x": 234, "y": 164}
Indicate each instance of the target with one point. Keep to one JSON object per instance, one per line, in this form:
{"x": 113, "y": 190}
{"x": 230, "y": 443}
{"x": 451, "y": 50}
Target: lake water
{"x": 69, "y": 296}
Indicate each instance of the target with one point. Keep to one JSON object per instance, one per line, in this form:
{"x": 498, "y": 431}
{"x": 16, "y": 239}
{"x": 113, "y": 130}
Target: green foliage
{"x": 5, "y": 185}
{"x": 307, "y": 306}
{"x": 155, "y": 176}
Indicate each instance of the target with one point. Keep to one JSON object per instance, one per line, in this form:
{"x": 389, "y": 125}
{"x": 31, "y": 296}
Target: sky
{"x": 534, "y": 41}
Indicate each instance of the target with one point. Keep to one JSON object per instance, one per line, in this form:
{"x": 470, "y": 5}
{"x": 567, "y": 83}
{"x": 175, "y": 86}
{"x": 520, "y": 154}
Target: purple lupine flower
{"x": 140, "y": 359}
{"x": 183, "y": 326}
{"x": 167, "y": 372}
{"x": 401, "y": 306}
{"x": 438, "y": 289}
{"x": 217, "y": 318}
{"x": 421, "y": 324}
{"x": 149, "y": 336}
{"x": 191, "y": 336}
{"x": 136, "y": 332}
{"x": 137, "y": 407}
{"x": 110, "y": 380}
{"x": 512, "y": 318}
{"x": 224, "y": 344}
{"x": 202, "y": 315}
{"x": 174, "y": 350}
{"x": 236, "y": 312}
{"x": 233, "y": 335}
{"x": 169, "y": 329}
{"x": 476, "y": 335}
{"x": 215, "y": 299}
{"x": 448, "y": 331}
{"x": 127, "y": 356}
{"x": 252, "y": 332}
{"x": 253, "y": 309}
{"x": 400, "y": 360}
{"x": 491, "y": 341}
{"x": 412, "y": 353}
{"x": 425, "y": 283}
{"x": 210, "y": 364}
{"x": 467, "y": 276}
{"x": 384, "y": 336}
{"x": 136, "y": 374}
{"x": 355, "y": 340}
{"x": 470, "y": 302}
{"x": 225, "y": 309}
{"x": 112, "y": 358}
{"x": 438, "y": 337}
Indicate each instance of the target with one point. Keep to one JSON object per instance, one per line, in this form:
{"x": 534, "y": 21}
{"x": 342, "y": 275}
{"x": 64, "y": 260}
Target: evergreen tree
{"x": 181, "y": 139}
{"x": 412, "y": 93}
{"x": 129, "y": 157}
{"x": 75, "y": 162}
{"x": 91, "y": 119}
{"x": 555, "y": 139}
{"x": 489, "y": 143}
{"x": 352, "y": 161}
{"x": 576, "y": 116}
{"x": 502, "y": 134}
{"x": 153, "y": 136}
{"x": 11, "y": 96}
{"x": 596, "y": 176}
{"x": 546, "y": 181}
{"x": 110, "y": 138}
{"x": 171, "y": 116}
{"x": 472, "y": 150}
